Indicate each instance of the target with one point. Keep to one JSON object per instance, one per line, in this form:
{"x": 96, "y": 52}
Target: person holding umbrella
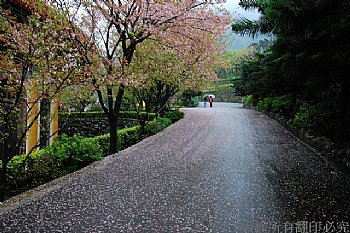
{"x": 211, "y": 100}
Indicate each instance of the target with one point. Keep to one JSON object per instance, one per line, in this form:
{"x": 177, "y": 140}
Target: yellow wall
{"x": 33, "y": 110}
{"x": 33, "y": 135}
{"x": 54, "y": 120}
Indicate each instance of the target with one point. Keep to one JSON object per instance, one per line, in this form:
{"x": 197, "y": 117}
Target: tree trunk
{"x": 169, "y": 92}
{"x": 113, "y": 136}
{"x": 142, "y": 128}
{"x": 3, "y": 181}
{"x": 157, "y": 104}
{"x": 113, "y": 120}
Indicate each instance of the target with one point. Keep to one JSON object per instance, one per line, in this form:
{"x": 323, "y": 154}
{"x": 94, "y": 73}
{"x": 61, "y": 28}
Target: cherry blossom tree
{"x": 38, "y": 59}
{"x": 159, "y": 72}
{"x": 118, "y": 27}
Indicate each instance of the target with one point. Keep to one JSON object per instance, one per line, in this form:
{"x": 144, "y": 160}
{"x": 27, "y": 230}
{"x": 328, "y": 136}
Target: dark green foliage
{"x": 305, "y": 117}
{"x": 156, "y": 126}
{"x": 264, "y": 104}
{"x": 25, "y": 173}
{"x": 174, "y": 116}
{"x": 280, "y": 104}
{"x": 75, "y": 152}
{"x": 103, "y": 141}
{"x": 15, "y": 171}
{"x": 122, "y": 114}
{"x": 133, "y": 115}
{"x": 251, "y": 5}
{"x": 128, "y": 137}
{"x": 251, "y": 27}
{"x": 64, "y": 156}
{"x": 248, "y": 100}
{"x": 308, "y": 61}
{"x": 69, "y": 154}
{"x": 189, "y": 98}
{"x": 82, "y": 115}
{"x": 254, "y": 80}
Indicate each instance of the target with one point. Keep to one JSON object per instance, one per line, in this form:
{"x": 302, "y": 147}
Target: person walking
{"x": 205, "y": 99}
{"x": 211, "y": 100}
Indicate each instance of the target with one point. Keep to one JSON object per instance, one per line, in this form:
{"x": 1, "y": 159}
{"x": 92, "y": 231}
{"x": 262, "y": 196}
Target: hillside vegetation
{"x": 306, "y": 68}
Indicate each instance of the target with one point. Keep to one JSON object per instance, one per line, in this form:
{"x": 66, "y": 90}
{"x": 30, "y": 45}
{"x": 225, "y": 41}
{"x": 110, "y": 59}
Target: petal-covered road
{"x": 225, "y": 169}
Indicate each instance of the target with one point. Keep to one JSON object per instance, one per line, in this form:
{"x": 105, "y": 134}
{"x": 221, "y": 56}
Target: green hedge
{"x": 64, "y": 156}
{"x": 174, "y": 116}
{"x": 129, "y": 136}
{"x": 280, "y": 104}
{"x": 103, "y": 141}
{"x": 82, "y": 115}
{"x": 122, "y": 114}
{"x": 157, "y": 125}
{"x": 248, "y": 100}
{"x": 75, "y": 152}
{"x": 305, "y": 117}
{"x": 69, "y": 154}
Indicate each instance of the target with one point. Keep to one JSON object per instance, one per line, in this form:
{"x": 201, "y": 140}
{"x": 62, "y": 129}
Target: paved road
{"x": 225, "y": 169}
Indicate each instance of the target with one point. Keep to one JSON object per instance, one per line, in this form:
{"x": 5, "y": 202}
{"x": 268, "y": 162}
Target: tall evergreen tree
{"x": 309, "y": 59}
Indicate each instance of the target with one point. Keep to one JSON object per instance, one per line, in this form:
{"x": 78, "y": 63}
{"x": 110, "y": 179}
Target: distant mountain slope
{"x": 237, "y": 42}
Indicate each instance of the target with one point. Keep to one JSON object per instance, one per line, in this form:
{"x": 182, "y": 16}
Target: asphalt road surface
{"x": 220, "y": 169}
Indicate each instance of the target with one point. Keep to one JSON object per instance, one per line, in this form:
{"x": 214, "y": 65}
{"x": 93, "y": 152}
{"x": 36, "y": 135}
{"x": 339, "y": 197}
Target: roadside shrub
{"x": 76, "y": 152}
{"x": 103, "y": 141}
{"x": 82, "y": 115}
{"x": 280, "y": 104}
{"x": 264, "y": 104}
{"x": 16, "y": 177}
{"x": 15, "y": 167}
{"x": 88, "y": 151}
{"x": 134, "y": 135}
{"x": 248, "y": 100}
{"x": 68, "y": 154}
{"x": 305, "y": 117}
{"x": 157, "y": 125}
{"x": 64, "y": 156}
{"x": 41, "y": 167}
{"x": 174, "y": 116}
{"x": 133, "y": 115}
{"x": 122, "y": 114}
{"x": 128, "y": 137}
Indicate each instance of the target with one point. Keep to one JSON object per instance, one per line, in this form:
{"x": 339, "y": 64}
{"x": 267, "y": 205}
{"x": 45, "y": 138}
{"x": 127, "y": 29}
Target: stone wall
{"x": 90, "y": 127}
